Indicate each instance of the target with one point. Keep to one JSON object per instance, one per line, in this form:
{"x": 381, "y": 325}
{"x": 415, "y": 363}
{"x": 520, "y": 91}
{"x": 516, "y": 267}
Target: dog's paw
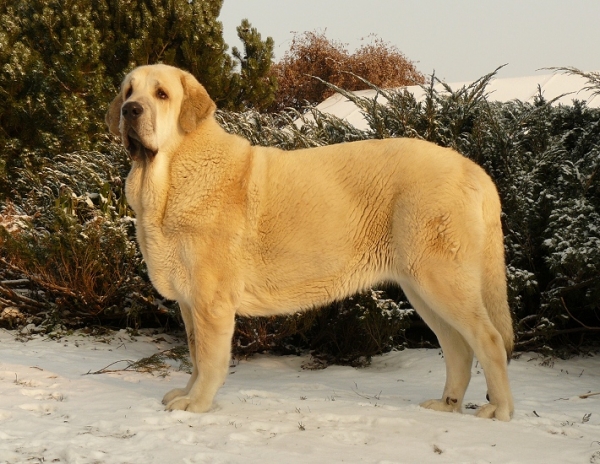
{"x": 447, "y": 405}
{"x": 185, "y": 403}
{"x": 492, "y": 411}
{"x": 172, "y": 394}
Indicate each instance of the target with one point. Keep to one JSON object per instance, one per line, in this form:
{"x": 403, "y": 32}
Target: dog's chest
{"x": 163, "y": 260}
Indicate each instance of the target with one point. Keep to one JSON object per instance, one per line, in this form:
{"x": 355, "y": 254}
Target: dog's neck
{"x": 192, "y": 166}
{"x": 147, "y": 187}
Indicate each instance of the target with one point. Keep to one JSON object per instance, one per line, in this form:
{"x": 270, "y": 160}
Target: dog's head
{"x": 155, "y": 108}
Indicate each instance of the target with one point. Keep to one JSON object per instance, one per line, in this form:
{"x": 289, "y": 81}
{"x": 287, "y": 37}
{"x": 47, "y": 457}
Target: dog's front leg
{"x": 186, "y": 314}
{"x": 210, "y": 350}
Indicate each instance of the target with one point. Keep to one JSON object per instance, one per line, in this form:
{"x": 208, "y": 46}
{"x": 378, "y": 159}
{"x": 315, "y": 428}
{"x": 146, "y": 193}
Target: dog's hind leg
{"x": 457, "y": 353}
{"x": 455, "y": 296}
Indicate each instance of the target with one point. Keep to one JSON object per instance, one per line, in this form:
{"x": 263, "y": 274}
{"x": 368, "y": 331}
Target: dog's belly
{"x": 261, "y": 301}
{"x": 295, "y": 285}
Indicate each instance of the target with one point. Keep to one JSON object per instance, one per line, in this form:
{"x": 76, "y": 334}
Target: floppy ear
{"x": 196, "y": 104}
{"x": 113, "y": 115}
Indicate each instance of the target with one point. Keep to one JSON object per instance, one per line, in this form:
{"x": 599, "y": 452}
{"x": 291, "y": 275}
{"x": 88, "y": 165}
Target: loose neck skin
{"x": 147, "y": 188}
{"x": 147, "y": 185}
{"x": 150, "y": 183}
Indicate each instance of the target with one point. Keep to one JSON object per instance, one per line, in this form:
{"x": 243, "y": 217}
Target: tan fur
{"x": 229, "y": 228}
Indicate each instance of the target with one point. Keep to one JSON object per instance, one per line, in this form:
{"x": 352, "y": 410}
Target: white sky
{"x": 461, "y": 40}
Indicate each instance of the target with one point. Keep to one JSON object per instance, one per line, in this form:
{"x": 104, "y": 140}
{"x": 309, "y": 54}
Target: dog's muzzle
{"x": 131, "y": 112}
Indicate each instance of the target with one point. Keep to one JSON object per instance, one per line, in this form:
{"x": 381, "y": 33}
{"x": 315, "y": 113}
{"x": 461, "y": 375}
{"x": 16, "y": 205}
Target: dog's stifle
{"x": 229, "y": 228}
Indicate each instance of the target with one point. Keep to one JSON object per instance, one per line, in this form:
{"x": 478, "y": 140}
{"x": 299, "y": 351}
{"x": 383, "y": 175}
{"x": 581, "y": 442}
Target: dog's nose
{"x": 132, "y": 110}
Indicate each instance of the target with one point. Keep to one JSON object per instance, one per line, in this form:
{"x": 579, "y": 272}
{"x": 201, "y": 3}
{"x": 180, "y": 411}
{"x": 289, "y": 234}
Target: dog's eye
{"x": 160, "y": 93}
{"x": 129, "y": 92}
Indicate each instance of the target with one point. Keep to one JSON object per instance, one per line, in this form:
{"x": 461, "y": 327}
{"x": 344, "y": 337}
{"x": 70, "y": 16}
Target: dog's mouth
{"x": 136, "y": 148}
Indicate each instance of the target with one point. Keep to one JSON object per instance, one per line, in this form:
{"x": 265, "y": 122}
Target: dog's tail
{"x": 494, "y": 285}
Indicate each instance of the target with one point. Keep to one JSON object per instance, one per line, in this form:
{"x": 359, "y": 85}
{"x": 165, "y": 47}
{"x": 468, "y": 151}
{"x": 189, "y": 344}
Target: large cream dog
{"x": 226, "y": 228}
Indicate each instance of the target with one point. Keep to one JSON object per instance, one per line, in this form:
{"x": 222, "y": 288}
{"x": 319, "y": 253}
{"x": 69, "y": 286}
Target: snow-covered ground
{"x": 273, "y": 411}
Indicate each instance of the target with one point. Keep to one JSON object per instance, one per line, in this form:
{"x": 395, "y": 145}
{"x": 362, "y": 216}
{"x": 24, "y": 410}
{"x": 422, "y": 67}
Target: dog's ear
{"x": 196, "y": 104}
{"x": 113, "y": 115}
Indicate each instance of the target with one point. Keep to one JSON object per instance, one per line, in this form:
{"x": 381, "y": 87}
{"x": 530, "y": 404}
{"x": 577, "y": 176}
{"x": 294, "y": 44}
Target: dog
{"x": 228, "y": 228}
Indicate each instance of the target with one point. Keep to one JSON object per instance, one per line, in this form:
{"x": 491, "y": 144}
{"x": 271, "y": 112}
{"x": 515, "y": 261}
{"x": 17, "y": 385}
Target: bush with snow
{"x": 68, "y": 254}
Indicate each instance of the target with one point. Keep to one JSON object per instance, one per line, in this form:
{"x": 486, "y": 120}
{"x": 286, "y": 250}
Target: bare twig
{"x": 14, "y": 282}
{"x": 155, "y": 362}
{"x": 106, "y": 370}
{"x": 18, "y": 298}
{"x": 365, "y": 396}
{"x": 577, "y": 320}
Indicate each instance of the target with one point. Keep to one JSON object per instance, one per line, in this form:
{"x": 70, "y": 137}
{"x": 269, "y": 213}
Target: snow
{"x": 272, "y": 411}
{"x": 559, "y": 88}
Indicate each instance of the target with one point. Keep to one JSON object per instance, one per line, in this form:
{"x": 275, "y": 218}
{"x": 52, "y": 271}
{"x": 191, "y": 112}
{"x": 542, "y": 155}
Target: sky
{"x": 459, "y": 40}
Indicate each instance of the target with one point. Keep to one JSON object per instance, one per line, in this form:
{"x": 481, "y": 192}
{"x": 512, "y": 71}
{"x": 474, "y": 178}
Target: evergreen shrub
{"x": 68, "y": 253}
{"x": 67, "y": 247}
